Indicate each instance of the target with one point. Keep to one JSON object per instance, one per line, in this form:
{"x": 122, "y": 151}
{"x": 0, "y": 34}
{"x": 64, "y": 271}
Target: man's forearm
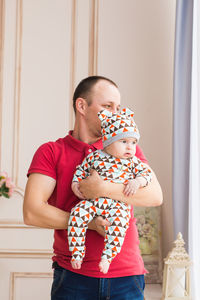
{"x": 47, "y": 216}
{"x": 52, "y": 218}
{"x": 146, "y": 196}
{"x": 37, "y": 211}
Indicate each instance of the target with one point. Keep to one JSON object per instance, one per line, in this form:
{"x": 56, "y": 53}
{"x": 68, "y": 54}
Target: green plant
{"x": 6, "y": 185}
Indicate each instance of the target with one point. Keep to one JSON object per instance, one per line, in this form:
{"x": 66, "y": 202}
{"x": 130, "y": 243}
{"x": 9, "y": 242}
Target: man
{"x": 49, "y": 199}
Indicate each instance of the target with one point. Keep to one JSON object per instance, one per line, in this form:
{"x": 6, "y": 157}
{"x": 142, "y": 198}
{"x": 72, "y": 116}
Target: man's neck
{"x": 81, "y": 133}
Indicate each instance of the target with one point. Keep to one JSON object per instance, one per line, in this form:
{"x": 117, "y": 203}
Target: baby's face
{"x": 124, "y": 148}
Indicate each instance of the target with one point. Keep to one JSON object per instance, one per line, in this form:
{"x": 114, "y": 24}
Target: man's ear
{"x": 81, "y": 105}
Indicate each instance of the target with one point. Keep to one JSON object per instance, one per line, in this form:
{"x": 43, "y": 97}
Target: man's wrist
{"x": 103, "y": 189}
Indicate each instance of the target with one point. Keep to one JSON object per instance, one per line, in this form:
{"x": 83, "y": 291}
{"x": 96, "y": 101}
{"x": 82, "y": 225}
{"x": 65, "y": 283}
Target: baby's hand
{"x": 75, "y": 189}
{"x": 131, "y": 187}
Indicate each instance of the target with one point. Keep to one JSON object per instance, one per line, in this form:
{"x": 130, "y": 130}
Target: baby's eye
{"x": 123, "y": 141}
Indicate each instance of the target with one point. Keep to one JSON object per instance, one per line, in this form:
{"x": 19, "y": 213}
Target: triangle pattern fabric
{"x": 118, "y": 214}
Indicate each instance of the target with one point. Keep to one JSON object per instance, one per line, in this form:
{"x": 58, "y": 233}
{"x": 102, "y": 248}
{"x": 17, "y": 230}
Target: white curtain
{"x": 194, "y": 169}
{"x": 186, "y": 141}
{"x": 181, "y": 115}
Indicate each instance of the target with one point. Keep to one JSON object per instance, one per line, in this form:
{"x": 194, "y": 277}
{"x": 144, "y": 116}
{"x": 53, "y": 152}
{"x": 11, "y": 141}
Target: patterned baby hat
{"x": 116, "y": 126}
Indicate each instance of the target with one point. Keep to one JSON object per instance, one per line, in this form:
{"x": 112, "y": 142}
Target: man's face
{"x": 104, "y": 95}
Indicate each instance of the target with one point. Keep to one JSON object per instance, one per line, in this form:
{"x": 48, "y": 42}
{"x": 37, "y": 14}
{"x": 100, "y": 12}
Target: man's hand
{"x": 75, "y": 189}
{"x": 91, "y": 187}
{"x": 98, "y": 224}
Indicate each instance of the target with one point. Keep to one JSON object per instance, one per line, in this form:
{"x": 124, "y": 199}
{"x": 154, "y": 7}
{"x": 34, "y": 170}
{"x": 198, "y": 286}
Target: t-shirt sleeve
{"x": 139, "y": 154}
{"x": 44, "y": 161}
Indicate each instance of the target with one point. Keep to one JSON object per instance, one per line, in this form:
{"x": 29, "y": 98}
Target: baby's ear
{"x": 127, "y": 112}
{"x": 104, "y": 114}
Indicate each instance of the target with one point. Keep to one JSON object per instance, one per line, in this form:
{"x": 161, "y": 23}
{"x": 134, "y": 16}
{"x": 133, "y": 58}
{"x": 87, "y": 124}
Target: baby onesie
{"x": 117, "y": 213}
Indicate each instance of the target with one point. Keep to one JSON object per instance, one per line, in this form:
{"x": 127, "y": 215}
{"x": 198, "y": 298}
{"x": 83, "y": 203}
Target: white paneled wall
{"x": 36, "y": 79}
{"x": 47, "y": 47}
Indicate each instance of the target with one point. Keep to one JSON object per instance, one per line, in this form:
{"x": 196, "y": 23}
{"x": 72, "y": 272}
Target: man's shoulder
{"x": 53, "y": 146}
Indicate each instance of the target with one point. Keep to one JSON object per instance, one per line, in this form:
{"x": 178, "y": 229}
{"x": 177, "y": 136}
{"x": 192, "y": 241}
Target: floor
{"x": 153, "y": 292}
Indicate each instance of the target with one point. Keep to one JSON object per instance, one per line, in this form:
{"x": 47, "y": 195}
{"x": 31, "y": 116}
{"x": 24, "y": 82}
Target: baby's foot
{"x": 76, "y": 264}
{"x": 104, "y": 266}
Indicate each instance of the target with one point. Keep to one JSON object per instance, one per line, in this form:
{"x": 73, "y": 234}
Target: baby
{"x": 117, "y": 163}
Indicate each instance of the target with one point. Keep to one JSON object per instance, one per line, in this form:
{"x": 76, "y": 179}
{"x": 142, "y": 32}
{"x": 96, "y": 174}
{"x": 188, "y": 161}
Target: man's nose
{"x": 114, "y": 109}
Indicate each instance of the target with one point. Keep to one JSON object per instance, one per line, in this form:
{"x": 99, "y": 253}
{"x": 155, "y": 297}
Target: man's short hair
{"x": 83, "y": 90}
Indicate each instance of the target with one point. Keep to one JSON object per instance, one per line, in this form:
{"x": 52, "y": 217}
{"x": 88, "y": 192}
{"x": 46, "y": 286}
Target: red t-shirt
{"x": 59, "y": 160}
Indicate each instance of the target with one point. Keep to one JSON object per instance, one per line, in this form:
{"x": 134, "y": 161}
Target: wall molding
{"x": 15, "y": 275}
{"x": 93, "y": 37}
{"x": 26, "y": 253}
{"x": 16, "y": 224}
{"x": 93, "y": 47}
{"x": 72, "y": 60}
{"x": 19, "y": 191}
{"x": 17, "y": 96}
{"x": 2, "y": 34}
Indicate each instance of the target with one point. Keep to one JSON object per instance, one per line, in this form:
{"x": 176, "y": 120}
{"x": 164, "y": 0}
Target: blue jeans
{"x": 68, "y": 285}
